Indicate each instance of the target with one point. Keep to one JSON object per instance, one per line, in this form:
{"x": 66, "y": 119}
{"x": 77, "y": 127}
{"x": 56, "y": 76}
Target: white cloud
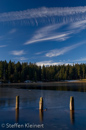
{"x": 50, "y": 62}
{"x": 17, "y": 52}
{"x": 58, "y": 52}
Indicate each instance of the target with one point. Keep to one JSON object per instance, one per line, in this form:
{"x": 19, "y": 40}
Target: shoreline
{"x": 43, "y": 83}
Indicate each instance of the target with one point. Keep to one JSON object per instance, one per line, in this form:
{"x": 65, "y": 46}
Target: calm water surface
{"x": 56, "y": 114}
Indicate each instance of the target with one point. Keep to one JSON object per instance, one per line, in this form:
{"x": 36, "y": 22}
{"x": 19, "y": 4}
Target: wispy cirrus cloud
{"x": 55, "y": 37}
{"x": 73, "y": 13}
{"x": 55, "y": 33}
{"x": 17, "y": 52}
{"x": 58, "y": 52}
{"x": 64, "y": 15}
{"x": 78, "y": 26}
{"x": 49, "y": 33}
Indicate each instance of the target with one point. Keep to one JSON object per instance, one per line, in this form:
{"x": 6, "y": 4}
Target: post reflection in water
{"x": 41, "y": 115}
{"x": 72, "y": 117}
{"x": 17, "y": 115}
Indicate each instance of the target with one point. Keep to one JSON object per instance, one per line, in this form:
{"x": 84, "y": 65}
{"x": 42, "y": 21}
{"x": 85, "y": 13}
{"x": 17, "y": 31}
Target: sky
{"x": 49, "y": 32}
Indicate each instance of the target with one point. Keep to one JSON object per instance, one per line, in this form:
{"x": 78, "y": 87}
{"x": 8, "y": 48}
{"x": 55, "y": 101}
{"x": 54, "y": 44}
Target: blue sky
{"x": 48, "y": 32}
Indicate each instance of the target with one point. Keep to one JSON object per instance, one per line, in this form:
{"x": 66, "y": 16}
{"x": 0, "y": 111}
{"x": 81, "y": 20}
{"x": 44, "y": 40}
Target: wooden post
{"x": 71, "y": 103}
{"x": 17, "y": 102}
{"x": 41, "y": 103}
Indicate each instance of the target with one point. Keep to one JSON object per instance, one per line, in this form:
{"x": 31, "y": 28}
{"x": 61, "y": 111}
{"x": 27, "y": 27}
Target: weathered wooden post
{"x": 17, "y": 108}
{"x": 41, "y": 103}
{"x": 71, "y": 103}
{"x": 17, "y": 102}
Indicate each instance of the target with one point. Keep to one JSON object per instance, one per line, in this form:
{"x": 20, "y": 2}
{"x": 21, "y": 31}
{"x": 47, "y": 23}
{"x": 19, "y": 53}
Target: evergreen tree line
{"x": 17, "y": 72}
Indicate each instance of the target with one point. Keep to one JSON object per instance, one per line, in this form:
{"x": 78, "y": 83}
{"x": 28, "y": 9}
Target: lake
{"x": 56, "y": 113}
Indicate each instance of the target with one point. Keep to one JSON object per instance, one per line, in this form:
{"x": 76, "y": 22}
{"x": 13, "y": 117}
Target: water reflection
{"x": 72, "y": 117}
{"x": 41, "y": 115}
{"x": 17, "y": 115}
{"x": 70, "y": 86}
{"x": 81, "y": 87}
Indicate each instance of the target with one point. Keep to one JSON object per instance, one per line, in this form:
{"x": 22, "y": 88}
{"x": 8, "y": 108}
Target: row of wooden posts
{"x": 41, "y": 103}
{"x": 41, "y": 109}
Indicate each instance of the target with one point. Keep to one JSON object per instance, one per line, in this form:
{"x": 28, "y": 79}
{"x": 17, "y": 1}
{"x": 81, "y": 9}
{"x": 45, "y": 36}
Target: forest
{"x": 19, "y": 72}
